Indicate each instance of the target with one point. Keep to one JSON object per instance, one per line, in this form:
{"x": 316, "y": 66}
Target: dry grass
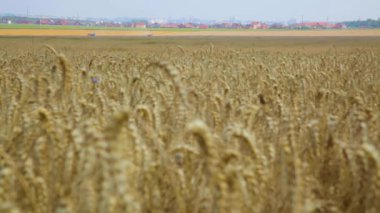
{"x": 178, "y": 129}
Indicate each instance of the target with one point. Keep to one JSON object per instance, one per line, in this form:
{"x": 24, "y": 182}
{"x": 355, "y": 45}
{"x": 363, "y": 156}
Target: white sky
{"x": 275, "y": 10}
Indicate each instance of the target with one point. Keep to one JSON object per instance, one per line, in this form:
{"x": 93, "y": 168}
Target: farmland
{"x": 80, "y": 31}
{"x": 190, "y": 124}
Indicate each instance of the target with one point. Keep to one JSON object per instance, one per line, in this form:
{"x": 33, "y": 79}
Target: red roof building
{"x": 62, "y": 22}
{"x": 203, "y": 26}
{"x": 258, "y": 25}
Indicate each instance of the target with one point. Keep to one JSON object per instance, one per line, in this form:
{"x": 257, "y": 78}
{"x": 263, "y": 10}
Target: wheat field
{"x": 186, "y": 126}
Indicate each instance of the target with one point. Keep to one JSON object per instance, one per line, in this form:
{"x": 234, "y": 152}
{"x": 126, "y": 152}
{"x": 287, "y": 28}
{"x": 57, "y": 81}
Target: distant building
{"x": 43, "y": 22}
{"x": 277, "y": 26}
{"x": 76, "y": 23}
{"x": 258, "y": 25}
{"x": 61, "y": 22}
{"x": 140, "y": 25}
{"x": 319, "y": 25}
{"x": 22, "y": 21}
{"x": 255, "y": 25}
{"x": 264, "y": 26}
{"x": 226, "y": 25}
{"x": 169, "y": 25}
{"x": 129, "y": 25}
{"x": 223, "y": 25}
{"x": 187, "y": 25}
{"x": 237, "y": 26}
{"x": 154, "y": 25}
{"x": 203, "y": 26}
{"x": 340, "y": 26}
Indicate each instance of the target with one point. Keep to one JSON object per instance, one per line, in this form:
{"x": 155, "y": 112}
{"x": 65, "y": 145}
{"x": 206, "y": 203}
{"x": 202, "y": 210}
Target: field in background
{"x": 157, "y": 44}
{"x": 47, "y": 30}
{"x": 66, "y": 27}
{"x": 190, "y": 124}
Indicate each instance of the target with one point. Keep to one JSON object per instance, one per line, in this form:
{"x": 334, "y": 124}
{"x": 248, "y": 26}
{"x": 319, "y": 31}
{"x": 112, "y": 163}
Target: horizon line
{"x": 188, "y": 18}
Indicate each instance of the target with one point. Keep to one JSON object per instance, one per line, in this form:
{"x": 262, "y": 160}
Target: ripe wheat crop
{"x": 204, "y": 129}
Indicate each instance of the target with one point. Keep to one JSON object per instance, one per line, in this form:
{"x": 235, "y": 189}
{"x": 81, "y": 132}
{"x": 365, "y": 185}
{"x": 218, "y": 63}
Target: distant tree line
{"x": 369, "y": 23}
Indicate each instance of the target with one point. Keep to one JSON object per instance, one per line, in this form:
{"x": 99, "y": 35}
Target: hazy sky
{"x": 276, "y": 10}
